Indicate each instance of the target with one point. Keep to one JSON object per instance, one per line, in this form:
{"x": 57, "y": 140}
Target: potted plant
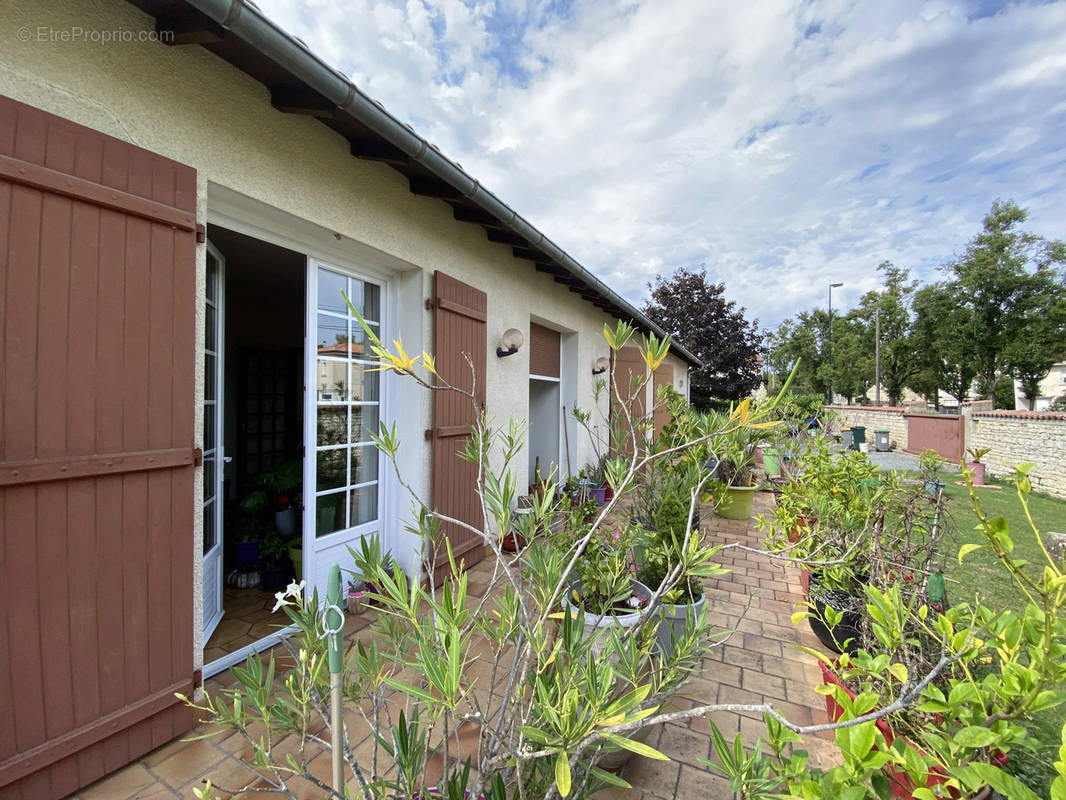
{"x": 273, "y": 550}
{"x": 736, "y": 470}
{"x": 277, "y": 488}
{"x": 975, "y": 465}
{"x": 664, "y": 555}
{"x": 247, "y": 536}
{"x": 296, "y": 556}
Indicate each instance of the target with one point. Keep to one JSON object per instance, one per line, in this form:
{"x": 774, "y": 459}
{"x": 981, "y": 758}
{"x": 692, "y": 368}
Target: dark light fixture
{"x": 601, "y": 365}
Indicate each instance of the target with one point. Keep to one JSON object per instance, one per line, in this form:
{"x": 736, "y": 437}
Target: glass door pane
{"x": 212, "y": 473}
{"x": 346, "y": 399}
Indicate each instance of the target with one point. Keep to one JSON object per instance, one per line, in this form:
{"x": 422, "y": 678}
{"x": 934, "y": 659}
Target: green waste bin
{"x": 858, "y": 436}
{"x": 881, "y": 438}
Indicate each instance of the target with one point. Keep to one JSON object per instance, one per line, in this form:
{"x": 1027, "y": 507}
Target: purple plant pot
{"x": 245, "y": 553}
{"x": 599, "y": 495}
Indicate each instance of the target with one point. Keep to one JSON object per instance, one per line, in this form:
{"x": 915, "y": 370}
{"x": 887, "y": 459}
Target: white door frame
{"x": 212, "y": 559}
{"x": 319, "y": 552}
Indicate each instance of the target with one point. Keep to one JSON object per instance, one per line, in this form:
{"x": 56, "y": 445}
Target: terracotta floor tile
{"x": 127, "y": 782}
{"x": 188, "y": 763}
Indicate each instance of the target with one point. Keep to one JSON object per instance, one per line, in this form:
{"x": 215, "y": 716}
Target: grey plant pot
{"x": 672, "y": 626}
{"x": 598, "y": 625}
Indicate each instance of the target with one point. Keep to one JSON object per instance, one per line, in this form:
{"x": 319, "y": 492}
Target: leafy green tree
{"x": 899, "y": 365}
{"x": 800, "y": 340}
{"x": 942, "y": 339}
{"x": 1005, "y": 276}
{"x": 696, "y": 313}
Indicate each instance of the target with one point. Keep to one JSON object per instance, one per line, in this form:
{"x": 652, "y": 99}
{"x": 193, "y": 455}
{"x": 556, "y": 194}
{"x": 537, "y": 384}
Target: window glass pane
{"x": 371, "y": 302}
{"x": 364, "y": 422}
{"x": 332, "y": 378}
{"x": 329, "y": 510}
{"x": 209, "y": 426}
{"x": 209, "y": 328}
{"x": 331, "y": 469}
{"x": 212, "y": 276}
{"x": 209, "y": 526}
{"x": 365, "y": 381}
{"x": 330, "y": 286}
{"x": 209, "y": 377}
{"x": 332, "y": 336}
{"x": 364, "y": 464}
{"x": 364, "y": 505}
{"x": 332, "y": 425}
{"x": 209, "y": 478}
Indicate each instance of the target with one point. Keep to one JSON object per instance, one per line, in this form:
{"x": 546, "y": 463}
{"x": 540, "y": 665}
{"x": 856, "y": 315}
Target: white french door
{"x": 214, "y": 460}
{"x": 343, "y": 396}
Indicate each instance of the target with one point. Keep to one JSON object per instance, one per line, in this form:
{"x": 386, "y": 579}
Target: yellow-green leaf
{"x": 639, "y": 748}
{"x": 966, "y": 549}
{"x": 562, "y": 773}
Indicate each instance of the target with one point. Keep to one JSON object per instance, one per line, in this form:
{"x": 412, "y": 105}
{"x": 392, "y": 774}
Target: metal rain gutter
{"x": 250, "y": 25}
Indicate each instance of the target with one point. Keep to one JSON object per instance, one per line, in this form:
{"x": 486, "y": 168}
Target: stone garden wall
{"x": 1019, "y": 436}
{"x": 874, "y": 418}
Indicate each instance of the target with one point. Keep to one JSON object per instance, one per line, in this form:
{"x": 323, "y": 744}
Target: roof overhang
{"x": 302, "y": 83}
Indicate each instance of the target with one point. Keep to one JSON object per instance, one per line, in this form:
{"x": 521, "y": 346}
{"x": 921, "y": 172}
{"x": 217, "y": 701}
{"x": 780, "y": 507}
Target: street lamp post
{"x": 829, "y": 348}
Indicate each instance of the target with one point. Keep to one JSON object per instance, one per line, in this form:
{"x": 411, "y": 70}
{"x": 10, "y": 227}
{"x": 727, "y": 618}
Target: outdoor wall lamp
{"x": 601, "y": 365}
{"x": 510, "y": 342}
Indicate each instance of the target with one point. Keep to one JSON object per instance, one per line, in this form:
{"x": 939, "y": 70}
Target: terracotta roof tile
{"x": 1004, "y": 414}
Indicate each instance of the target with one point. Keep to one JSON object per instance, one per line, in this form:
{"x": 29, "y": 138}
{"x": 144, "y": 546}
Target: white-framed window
{"x": 347, "y": 395}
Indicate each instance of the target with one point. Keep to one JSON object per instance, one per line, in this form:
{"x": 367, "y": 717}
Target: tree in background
{"x": 999, "y": 313}
{"x": 941, "y": 332}
{"x": 1006, "y": 279}
{"x": 800, "y": 340}
{"x": 696, "y": 313}
{"x": 899, "y": 365}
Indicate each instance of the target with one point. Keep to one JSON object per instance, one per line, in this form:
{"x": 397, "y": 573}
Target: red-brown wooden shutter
{"x": 663, "y": 376}
{"x": 627, "y": 368}
{"x": 98, "y": 265}
{"x": 543, "y": 351}
{"x": 459, "y": 332}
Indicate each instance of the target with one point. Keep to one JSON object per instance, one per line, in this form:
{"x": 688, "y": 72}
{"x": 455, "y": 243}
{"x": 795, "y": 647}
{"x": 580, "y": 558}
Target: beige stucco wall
{"x": 1018, "y": 439}
{"x": 186, "y": 104}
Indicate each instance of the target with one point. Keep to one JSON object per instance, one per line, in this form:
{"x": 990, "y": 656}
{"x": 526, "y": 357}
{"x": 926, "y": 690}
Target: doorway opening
{"x": 253, "y": 439}
{"x": 545, "y": 403}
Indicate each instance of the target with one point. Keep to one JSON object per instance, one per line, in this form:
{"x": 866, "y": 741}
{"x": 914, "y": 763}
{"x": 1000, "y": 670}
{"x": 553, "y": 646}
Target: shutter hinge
{"x": 197, "y": 457}
{"x": 428, "y": 434}
{"x": 201, "y": 233}
{"x": 198, "y": 679}
{"x": 429, "y": 304}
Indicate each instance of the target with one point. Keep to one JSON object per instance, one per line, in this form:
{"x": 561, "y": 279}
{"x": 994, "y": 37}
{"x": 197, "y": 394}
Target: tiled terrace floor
{"x": 248, "y": 618}
{"x": 758, "y": 663}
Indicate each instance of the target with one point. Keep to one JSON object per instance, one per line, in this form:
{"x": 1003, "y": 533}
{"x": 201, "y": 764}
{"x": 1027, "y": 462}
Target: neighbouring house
{"x": 1052, "y": 387}
{"x": 180, "y": 213}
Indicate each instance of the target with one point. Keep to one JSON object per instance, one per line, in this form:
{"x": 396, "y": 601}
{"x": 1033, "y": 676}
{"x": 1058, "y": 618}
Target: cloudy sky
{"x": 783, "y": 144}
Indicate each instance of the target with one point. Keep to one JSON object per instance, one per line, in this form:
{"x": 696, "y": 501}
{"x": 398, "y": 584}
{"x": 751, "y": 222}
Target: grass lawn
{"x": 979, "y": 574}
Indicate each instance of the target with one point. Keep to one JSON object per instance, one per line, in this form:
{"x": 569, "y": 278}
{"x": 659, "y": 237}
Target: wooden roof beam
{"x": 427, "y": 187}
{"x": 505, "y": 237}
{"x": 188, "y": 27}
{"x": 301, "y": 100}
{"x": 378, "y": 150}
{"x": 476, "y": 216}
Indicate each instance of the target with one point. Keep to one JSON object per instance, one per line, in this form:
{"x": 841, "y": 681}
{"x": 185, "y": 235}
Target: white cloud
{"x": 785, "y": 144}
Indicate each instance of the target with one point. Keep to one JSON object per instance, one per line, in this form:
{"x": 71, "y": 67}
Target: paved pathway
{"x": 758, "y": 663}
